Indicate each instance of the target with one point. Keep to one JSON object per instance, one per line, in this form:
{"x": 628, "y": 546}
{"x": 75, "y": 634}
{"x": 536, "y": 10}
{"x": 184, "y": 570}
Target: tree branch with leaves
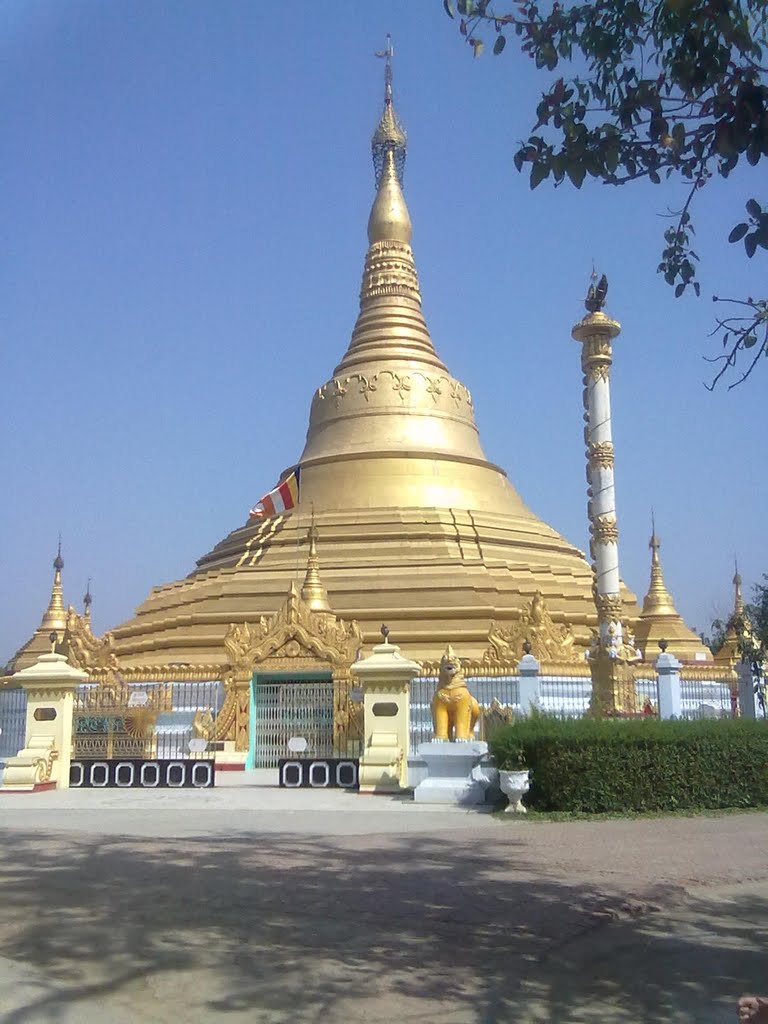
{"x": 670, "y": 89}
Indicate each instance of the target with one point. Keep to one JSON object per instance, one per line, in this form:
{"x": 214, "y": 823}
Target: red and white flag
{"x": 284, "y": 497}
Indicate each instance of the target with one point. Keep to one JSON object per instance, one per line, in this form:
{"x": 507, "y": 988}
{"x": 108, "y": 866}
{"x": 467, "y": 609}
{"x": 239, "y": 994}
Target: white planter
{"x": 514, "y": 785}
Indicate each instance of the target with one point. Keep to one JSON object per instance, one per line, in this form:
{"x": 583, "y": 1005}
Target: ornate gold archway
{"x": 294, "y": 639}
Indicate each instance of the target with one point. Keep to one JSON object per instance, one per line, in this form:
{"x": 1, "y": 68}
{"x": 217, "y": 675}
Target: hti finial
{"x": 654, "y": 543}
{"x": 389, "y": 136}
{"x": 596, "y": 293}
{"x": 387, "y": 54}
{"x": 58, "y": 562}
{"x": 87, "y": 599}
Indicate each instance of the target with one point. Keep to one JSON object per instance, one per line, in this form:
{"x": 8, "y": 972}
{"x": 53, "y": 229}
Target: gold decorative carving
{"x": 613, "y": 668}
{"x": 224, "y": 729}
{"x": 495, "y": 716}
{"x": 347, "y": 719}
{"x": 389, "y": 270}
{"x": 338, "y": 390}
{"x": 43, "y": 767}
{"x": 294, "y": 631}
{"x": 242, "y": 716}
{"x": 454, "y": 710}
{"x": 609, "y": 607}
{"x": 605, "y": 529}
{"x": 294, "y": 635}
{"x": 599, "y": 371}
{"x": 371, "y": 385}
{"x": 600, "y": 453}
{"x": 596, "y": 346}
{"x": 203, "y": 724}
{"x": 85, "y": 651}
{"x": 550, "y": 642}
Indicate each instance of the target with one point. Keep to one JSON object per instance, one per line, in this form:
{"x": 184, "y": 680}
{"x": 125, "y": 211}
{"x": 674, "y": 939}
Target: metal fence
{"x": 706, "y": 698}
{"x": 13, "y": 717}
{"x": 567, "y": 696}
{"x": 194, "y": 709}
{"x": 145, "y": 719}
{"x": 647, "y": 692}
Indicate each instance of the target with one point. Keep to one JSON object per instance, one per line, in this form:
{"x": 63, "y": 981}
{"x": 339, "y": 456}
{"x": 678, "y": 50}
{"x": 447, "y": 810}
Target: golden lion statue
{"x": 454, "y": 710}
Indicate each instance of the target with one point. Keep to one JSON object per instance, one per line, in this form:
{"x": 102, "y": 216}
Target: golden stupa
{"x": 54, "y": 620}
{"x": 738, "y": 628}
{"x": 660, "y": 620}
{"x": 415, "y": 527}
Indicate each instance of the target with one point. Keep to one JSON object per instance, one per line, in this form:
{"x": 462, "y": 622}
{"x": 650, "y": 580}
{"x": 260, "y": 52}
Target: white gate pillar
{"x": 668, "y": 675}
{"x": 529, "y": 682}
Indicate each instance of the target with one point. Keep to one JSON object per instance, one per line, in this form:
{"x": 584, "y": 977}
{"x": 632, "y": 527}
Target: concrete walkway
{"x": 248, "y": 903}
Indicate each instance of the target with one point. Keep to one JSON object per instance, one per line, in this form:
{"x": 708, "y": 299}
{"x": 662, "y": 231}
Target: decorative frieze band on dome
{"x": 441, "y": 389}
{"x": 389, "y": 270}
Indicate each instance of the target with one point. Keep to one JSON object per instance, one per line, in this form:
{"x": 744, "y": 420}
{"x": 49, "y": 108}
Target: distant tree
{"x": 662, "y": 89}
{"x": 716, "y": 637}
{"x": 757, "y": 614}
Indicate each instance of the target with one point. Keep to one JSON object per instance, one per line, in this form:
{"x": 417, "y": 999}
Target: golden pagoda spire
{"x": 658, "y": 600}
{"x": 391, "y": 326}
{"x": 738, "y": 632}
{"x": 389, "y": 219}
{"x": 738, "y": 600}
{"x": 660, "y": 620}
{"x": 313, "y": 592}
{"x": 87, "y": 600}
{"x": 55, "y": 615}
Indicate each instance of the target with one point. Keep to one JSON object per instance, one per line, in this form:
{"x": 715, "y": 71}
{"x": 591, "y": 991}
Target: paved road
{"x": 252, "y": 904}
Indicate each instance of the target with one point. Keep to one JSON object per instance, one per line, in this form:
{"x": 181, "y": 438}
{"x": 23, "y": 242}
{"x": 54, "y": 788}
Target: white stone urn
{"x": 514, "y": 785}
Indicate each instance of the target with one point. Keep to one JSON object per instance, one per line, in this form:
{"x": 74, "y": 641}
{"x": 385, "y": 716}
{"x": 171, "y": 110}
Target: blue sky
{"x": 186, "y": 188}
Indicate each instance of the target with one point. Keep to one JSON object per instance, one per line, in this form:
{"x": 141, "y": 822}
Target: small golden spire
{"x": 659, "y": 617}
{"x": 658, "y": 600}
{"x": 739, "y": 629}
{"x": 738, "y": 600}
{"x": 313, "y": 592}
{"x": 55, "y": 616}
{"x": 87, "y": 600}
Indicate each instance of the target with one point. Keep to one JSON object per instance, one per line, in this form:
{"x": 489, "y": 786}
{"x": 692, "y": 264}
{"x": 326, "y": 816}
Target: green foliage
{"x": 669, "y": 89}
{"x": 599, "y": 766}
{"x": 758, "y": 612}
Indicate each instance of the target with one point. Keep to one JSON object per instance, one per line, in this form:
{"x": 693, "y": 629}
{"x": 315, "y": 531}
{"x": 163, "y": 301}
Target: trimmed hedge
{"x": 606, "y": 765}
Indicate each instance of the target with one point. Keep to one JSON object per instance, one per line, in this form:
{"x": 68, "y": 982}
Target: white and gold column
{"x": 613, "y": 686}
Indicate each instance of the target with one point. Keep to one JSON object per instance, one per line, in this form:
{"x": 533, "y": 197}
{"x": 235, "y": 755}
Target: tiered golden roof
{"x": 660, "y": 620}
{"x": 418, "y": 529}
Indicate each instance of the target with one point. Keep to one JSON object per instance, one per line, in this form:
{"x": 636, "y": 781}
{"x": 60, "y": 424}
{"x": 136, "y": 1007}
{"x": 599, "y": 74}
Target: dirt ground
{"x": 419, "y": 918}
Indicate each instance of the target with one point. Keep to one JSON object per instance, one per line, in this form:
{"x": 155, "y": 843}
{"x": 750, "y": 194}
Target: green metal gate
{"x": 290, "y": 706}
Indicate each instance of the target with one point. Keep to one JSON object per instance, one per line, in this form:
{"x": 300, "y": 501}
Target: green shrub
{"x": 604, "y": 765}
